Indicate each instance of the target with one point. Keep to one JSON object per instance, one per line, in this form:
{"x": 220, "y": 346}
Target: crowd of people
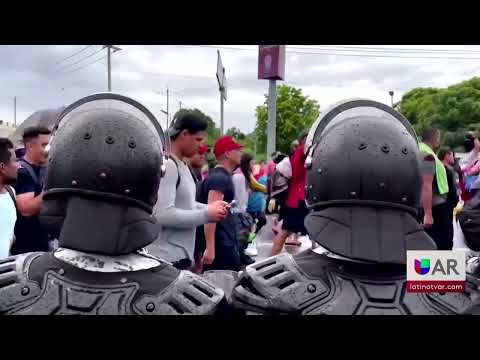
{"x": 208, "y": 219}
{"x": 21, "y": 190}
{"x": 450, "y": 184}
{"x": 140, "y": 213}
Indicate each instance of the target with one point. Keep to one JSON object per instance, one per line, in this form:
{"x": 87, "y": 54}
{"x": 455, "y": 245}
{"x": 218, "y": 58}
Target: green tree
{"x": 453, "y": 109}
{"x": 295, "y": 113}
{"x": 236, "y": 133}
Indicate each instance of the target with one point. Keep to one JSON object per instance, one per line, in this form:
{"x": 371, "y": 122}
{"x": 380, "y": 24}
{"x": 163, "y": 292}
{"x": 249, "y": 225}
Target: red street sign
{"x": 271, "y": 62}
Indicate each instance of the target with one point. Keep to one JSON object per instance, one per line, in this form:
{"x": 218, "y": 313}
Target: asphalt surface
{"x": 265, "y": 242}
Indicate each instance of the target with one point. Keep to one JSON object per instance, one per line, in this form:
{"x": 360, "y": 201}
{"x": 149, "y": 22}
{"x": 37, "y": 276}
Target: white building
{"x": 6, "y": 129}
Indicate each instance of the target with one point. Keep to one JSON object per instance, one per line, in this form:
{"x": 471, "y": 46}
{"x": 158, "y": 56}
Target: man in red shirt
{"x": 295, "y": 209}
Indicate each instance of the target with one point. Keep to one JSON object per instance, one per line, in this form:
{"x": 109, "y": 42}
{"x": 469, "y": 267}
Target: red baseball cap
{"x": 225, "y": 144}
{"x": 203, "y": 149}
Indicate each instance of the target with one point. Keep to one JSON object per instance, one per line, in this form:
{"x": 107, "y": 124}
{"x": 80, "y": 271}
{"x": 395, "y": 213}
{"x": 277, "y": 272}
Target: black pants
{"x": 262, "y": 220}
{"x": 442, "y": 229}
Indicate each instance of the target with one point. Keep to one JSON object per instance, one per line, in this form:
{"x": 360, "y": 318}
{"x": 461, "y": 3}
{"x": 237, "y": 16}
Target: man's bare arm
{"x": 210, "y": 228}
{"x": 28, "y": 204}
{"x": 427, "y": 195}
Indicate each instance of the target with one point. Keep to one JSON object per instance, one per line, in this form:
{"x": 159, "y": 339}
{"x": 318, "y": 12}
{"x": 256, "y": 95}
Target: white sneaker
{"x": 251, "y": 250}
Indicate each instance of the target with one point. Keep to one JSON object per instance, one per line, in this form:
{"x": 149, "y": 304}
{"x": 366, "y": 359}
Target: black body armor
{"x": 105, "y": 166}
{"x": 40, "y": 284}
{"x": 316, "y": 284}
{"x": 363, "y": 190}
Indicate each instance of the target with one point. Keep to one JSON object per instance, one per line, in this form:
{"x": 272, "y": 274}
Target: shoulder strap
{"x": 12, "y": 195}
{"x": 178, "y": 172}
{"x": 193, "y": 175}
{"x": 30, "y": 170}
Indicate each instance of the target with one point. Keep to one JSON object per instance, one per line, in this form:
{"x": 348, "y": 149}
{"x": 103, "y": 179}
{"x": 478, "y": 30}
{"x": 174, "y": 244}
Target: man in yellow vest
{"x": 436, "y": 218}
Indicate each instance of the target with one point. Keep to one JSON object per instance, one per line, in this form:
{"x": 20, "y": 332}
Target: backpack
{"x": 278, "y": 186}
{"x": 243, "y": 223}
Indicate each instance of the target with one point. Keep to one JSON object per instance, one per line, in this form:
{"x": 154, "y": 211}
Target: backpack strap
{"x": 12, "y": 195}
{"x": 178, "y": 171}
{"x": 194, "y": 176}
{"x": 30, "y": 171}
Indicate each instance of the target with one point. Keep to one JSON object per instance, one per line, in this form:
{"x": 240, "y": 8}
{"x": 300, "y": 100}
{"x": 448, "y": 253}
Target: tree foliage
{"x": 295, "y": 113}
{"x": 453, "y": 110}
{"x": 236, "y": 133}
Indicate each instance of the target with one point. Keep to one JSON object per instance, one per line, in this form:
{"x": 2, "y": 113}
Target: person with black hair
{"x": 245, "y": 183}
{"x": 8, "y": 176}
{"x": 29, "y": 234}
{"x": 294, "y": 211}
{"x": 197, "y": 162}
{"x": 472, "y": 148}
{"x": 178, "y": 213}
{"x": 436, "y": 219}
{"x": 446, "y": 156}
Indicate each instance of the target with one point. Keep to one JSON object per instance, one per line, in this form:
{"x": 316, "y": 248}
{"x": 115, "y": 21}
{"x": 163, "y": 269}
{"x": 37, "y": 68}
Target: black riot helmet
{"x": 106, "y": 159}
{"x": 106, "y": 146}
{"x": 364, "y": 182}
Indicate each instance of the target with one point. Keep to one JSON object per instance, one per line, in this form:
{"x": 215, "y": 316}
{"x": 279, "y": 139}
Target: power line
{"x": 340, "y": 54}
{"x": 75, "y": 53}
{"x": 84, "y": 66}
{"x": 82, "y": 59}
{"x": 387, "y": 49}
{"x": 176, "y": 75}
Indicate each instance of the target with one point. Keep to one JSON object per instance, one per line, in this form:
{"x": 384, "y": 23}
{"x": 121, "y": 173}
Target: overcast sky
{"x": 40, "y": 77}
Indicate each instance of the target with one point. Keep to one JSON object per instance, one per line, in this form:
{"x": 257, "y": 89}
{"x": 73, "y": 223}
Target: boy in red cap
{"x": 221, "y": 245}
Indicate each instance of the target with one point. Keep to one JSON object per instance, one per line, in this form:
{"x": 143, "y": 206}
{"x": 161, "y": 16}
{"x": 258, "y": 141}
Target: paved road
{"x": 265, "y": 242}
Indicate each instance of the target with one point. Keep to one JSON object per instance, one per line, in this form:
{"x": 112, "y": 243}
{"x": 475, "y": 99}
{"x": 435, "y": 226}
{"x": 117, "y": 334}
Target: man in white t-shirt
{"x": 8, "y": 211}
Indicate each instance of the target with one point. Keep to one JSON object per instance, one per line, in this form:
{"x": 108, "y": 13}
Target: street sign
{"x": 221, "y": 78}
{"x": 220, "y": 70}
{"x": 271, "y": 62}
{"x": 224, "y": 87}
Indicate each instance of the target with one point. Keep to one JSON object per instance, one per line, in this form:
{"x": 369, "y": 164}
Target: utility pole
{"x": 109, "y": 65}
{"x": 180, "y": 105}
{"x": 167, "y": 109}
{"x": 271, "y": 67}
{"x": 15, "y": 111}
{"x": 272, "y": 116}
{"x": 391, "y": 96}
{"x": 221, "y": 113}
{"x": 166, "y": 123}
